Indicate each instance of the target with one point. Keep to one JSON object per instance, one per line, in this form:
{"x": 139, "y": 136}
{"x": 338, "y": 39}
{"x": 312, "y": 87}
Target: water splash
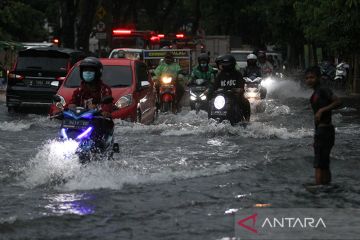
{"x": 283, "y": 89}
{"x": 54, "y": 162}
{"x": 187, "y": 124}
{"x": 27, "y": 123}
{"x": 14, "y": 126}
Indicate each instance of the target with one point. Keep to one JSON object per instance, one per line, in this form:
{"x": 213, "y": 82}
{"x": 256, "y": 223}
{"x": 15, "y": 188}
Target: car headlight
{"x": 166, "y": 80}
{"x": 192, "y": 98}
{"x": 124, "y": 101}
{"x": 203, "y": 97}
{"x": 219, "y": 102}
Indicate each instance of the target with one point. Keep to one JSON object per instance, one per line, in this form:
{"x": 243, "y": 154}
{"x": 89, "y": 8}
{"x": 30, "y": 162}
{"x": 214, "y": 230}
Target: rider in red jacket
{"x": 91, "y": 89}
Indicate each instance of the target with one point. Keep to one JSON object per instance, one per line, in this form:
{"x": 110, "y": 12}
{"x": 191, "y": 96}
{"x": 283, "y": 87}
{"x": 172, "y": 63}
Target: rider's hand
{"x": 106, "y": 114}
{"x": 92, "y": 106}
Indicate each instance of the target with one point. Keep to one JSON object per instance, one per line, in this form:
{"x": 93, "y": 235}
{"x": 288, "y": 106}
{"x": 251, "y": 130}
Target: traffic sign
{"x": 100, "y": 27}
{"x": 100, "y": 12}
{"x": 100, "y": 35}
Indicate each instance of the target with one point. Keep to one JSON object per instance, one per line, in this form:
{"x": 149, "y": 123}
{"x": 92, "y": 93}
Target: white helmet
{"x": 251, "y": 57}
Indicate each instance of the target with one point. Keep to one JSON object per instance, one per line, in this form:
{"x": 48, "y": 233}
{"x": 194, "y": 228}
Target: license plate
{"x": 199, "y": 89}
{"x": 218, "y": 113}
{"x": 70, "y": 123}
{"x": 40, "y": 83}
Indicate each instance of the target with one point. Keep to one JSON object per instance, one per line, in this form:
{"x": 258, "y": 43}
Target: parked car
{"x": 37, "y": 75}
{"x": 241, "y": 56}
{"x": 132, "y": 88}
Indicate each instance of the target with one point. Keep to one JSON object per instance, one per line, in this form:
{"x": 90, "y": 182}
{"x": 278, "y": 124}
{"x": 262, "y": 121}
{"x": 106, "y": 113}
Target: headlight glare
{"x": 219, "y": 102}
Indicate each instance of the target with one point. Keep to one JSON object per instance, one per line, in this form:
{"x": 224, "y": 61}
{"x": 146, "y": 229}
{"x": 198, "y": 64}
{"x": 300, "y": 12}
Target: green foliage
{"x": 333, "y": 24}
{"x": 20, "y": 22}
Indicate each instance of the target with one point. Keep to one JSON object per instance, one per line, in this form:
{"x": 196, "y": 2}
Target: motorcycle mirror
{"x": 59, "y": 106}
{"x": 107, "y": 100}
{"x": 56, "y": 98}
{"x": 145, "y": 84}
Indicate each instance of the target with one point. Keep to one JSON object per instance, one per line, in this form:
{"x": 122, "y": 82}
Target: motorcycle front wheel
{"x": 166, "y": 106}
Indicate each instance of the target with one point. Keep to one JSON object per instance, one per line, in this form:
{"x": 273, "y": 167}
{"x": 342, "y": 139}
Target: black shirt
{"x": 252, "y": 70}
{"x": 322, "y": 97}
{"x": 229, "y": 80}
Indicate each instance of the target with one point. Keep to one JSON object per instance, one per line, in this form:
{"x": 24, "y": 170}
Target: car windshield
{"x": 126, "y": 54}
{"x": 42, "y": 63}
{"x": 114, "y": 76}
{"x": 240, "y": 57}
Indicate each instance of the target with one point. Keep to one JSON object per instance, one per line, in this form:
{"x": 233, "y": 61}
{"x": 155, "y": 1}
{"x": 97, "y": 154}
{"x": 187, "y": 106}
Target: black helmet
{"x": 228, "y": 62}
{"x": 93, "y": 63}
{"x": 218, "y": 60}
{"x": 204, "y": 57}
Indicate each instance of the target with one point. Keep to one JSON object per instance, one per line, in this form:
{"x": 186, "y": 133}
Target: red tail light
{"x": 16, "y": 76}
{"x": 121, "y": 31}
{"x": 154, "y": 38}
{"x": 180, "y": 35}
{"x": 161, "y": 35}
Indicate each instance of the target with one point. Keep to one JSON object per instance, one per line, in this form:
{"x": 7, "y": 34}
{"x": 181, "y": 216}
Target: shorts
{"x": 324, "y": 140}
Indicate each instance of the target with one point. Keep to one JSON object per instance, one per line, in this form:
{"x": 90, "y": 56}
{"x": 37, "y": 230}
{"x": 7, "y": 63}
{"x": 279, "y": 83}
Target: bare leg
{"x": 326, "y": 176}
{"x": 322, "y": 176}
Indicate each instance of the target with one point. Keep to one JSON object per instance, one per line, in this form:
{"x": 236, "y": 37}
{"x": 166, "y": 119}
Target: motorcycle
{"x": 341, "y": 75}
{"x": 255, "y": 93}
{"x": 224, "y": 106}
{"x": 167, "y": 93}
{"x": 327, "y": 70}
{"x": 92, "y": 131}
{"x": 198, "y": 97}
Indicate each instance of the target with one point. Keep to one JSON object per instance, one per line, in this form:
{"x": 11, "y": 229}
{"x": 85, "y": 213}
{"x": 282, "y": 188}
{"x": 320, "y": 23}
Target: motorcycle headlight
{"x": 166, "y": 80}
{"x": 193, "y": 96}
{"x": 124, "y": 101}
{"x": 203, "y": 97}
{"x": 219, "y": 102}
{"x": 252, "y": 94}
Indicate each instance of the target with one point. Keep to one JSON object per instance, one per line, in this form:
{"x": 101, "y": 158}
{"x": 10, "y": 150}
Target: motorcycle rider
{"x": 92, "y": 90}
{"x": 168, "y": 66}
{"x": 265, "y": 66}
{"x": 253, "y": 69}
{"x": 229, "y": 78}
{"x": 203, "y": 70}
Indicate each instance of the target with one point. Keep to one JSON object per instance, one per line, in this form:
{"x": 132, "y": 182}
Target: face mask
{"x": 203, "y": 65}
{"x": 88, "y": 76}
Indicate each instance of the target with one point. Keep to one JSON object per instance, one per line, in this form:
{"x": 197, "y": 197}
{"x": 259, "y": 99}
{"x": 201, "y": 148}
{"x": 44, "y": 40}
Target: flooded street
{"x": 174, "y": 179}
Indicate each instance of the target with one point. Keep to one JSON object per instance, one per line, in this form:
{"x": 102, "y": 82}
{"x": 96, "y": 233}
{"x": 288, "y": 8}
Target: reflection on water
{"x": 70, "y": 203}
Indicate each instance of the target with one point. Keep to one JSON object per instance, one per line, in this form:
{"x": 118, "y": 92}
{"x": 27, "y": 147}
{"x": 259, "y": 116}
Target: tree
{"x": 20, "y": 22}
{"x": 333, "y": 25}
{"x": 86, "y": 22}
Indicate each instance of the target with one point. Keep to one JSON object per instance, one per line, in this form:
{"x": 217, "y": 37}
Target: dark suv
{"x": 37, "y": 75}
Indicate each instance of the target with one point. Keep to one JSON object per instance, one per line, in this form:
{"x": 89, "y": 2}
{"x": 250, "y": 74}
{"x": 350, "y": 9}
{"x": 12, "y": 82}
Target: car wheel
{"x": 12, "y": 109}
{"x": 166, "y": 106}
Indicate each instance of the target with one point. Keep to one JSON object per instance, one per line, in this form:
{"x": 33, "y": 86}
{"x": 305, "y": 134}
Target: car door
{"x": 145, "y": 93}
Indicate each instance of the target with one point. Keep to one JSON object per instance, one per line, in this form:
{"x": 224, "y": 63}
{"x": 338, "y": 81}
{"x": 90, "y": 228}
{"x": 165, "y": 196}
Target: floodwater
{"x": 175, "y": 179}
